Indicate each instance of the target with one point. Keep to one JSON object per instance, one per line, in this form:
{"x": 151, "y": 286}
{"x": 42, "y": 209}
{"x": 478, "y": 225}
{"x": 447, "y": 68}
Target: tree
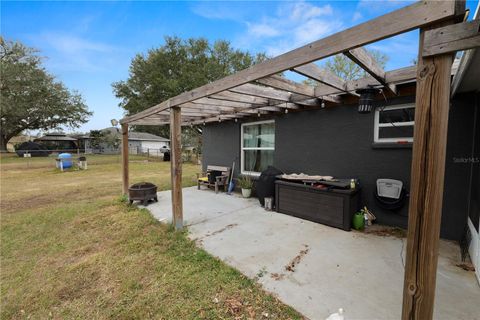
{"x": 346, "y": 69}
{"x": 177, "y": 66}
{"x": 30, "y": 97}
{"x": 96, "y": 138}
{"x": 100, "y": 139}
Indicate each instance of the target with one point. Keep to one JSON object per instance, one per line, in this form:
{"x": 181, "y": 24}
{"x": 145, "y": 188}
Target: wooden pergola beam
{"x": 368, "y": 63}
{"x": 262, "y": 92}
{"x": 395, "y": 76}
{"x": 448, "y": 39}
{"x": 220, "y": 103}
{"x": 238, "y": 97}
{"x": 281, "y": 83}
{"x": 220, "y": 110}
{"x": 321, "y": 75}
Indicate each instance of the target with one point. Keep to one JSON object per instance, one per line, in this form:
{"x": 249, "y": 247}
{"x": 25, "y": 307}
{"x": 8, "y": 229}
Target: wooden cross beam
{"x": 448, "y": 39}
{"x": 288, "y": 85}
{"x": 263, "y": 92}
{"x": 324, "y": 76}
{"x": 368, "y": 63}
{"x": 238, "y": 97}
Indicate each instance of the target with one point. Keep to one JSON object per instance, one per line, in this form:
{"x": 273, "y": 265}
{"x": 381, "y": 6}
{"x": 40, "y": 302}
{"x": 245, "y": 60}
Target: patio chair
{"x": 215, "y": 176}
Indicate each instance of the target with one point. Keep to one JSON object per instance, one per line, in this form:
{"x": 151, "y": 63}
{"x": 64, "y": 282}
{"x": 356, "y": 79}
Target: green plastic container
{"x": 358, "y": 221}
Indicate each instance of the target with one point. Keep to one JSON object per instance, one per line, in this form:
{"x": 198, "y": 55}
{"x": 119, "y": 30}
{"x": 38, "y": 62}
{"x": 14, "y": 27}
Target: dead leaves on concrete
{"x": 277, "y": 276}
{"x": 229, "y": 226}
{"x": 295, "y": 261}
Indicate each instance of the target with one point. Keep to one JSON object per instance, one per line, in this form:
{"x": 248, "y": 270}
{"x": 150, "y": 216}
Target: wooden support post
{"x": 176, "y": 166}
{"x": 125, "y": 158}
{"x": 426, "y": 185}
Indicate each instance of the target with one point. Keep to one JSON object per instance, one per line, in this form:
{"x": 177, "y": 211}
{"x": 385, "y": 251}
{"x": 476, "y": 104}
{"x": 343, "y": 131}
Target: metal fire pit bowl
{"x": 143, "y": 191}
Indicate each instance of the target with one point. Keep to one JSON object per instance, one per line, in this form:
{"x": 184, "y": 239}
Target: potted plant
{"x": 245, "y": 182}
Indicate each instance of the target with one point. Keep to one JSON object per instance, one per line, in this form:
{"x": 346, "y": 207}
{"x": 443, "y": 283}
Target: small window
{"x": 394, "y": 124}
{"x": 258, "y": 146}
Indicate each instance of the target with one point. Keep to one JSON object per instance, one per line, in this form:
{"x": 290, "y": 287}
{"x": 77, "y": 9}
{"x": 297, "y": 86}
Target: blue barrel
{"x": 66, "y": 160}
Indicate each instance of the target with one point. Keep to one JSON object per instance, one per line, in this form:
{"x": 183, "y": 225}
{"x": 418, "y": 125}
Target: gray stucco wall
{"x": 339, "y": 142}
{"x": 457, "y": 173}
{"x": 221, "y": 145}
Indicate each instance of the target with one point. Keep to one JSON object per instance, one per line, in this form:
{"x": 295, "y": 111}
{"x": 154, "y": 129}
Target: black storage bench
{"x": 334, "y": 207}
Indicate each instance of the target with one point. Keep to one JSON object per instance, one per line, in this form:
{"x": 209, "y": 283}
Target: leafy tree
{"x": 346, "y": 69}
{"x": 96, "y": 138}
{"x": 30, "y": 97}
{"x": 104, "y": 138}
{"x": 177, "y": 66}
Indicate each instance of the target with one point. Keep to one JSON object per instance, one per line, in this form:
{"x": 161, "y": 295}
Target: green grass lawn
{"x": 70, "y": 248}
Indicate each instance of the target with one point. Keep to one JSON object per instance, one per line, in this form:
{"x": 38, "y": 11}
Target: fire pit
{"x": 143, "y": 191}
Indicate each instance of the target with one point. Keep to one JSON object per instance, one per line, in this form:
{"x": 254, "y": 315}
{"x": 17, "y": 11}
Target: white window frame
{"x": 378, "y": 125}
{"x": 242, "y": 148}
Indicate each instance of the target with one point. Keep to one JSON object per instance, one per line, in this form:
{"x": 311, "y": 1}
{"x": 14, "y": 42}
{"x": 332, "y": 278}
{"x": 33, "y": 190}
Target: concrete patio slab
{"x": 329, "y": 268}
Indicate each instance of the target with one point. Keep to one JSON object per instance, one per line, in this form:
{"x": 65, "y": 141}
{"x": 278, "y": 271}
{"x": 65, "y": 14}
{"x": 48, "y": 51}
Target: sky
{"x": 89, "y": 45}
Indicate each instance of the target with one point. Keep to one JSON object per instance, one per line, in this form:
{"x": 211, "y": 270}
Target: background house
{"x": 57, "y": 141}
{"x": 109, "y": 142}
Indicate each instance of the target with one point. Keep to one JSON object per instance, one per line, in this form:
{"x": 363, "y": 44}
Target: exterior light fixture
{"x": 114, "y": 122}
{"x": 322, "y": 105}
{"x": 203, "y": 123}
{"x": 219, "y": 119}
{"x": 236, "y": 120}
{"x": 258, "y": 114}
{"x": 286, "y": 110}
{"x": 365, "y": 102}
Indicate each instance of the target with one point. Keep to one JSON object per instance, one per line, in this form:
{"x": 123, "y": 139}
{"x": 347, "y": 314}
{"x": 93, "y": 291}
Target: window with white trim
{"x": 394, "y": 124}
{"x": 257, "y": 146}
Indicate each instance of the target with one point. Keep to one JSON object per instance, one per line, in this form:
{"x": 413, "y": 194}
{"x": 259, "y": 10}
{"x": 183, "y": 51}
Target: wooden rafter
{"x": 368, "y": 63}
{"x": 324, "y": 76}
{"x": 262, "y": 92}
{"x": 281, "y": 83}
{"x": 238, "y": 97}
{"x": 221, "y": 103}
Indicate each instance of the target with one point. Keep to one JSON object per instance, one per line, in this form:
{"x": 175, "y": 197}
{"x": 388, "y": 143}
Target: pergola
{"x": 260, "y": 90}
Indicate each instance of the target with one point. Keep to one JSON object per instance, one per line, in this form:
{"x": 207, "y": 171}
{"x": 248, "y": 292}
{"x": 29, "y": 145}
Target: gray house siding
{"x": 457, "y": 173}
{"x": 221, "y": 145}
{"x": 339, "y": 141}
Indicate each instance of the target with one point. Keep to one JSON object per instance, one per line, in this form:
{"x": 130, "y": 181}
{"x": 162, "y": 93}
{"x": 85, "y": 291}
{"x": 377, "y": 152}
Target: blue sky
{"x": 89, "y": 45}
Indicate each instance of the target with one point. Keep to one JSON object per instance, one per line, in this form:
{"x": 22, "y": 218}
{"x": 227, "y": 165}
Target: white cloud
{"x": 71, "y": 44}
{"x": 291, "y": 26}
{"x": 357, "y": 16}
{"x": 68, "y": 52}
{"x": 262, "y": 30}
{"x": 235, "y": 11}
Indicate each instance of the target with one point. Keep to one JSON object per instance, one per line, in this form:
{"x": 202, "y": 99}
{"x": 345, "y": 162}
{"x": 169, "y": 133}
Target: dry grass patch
{"x": 75, "y": 251}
